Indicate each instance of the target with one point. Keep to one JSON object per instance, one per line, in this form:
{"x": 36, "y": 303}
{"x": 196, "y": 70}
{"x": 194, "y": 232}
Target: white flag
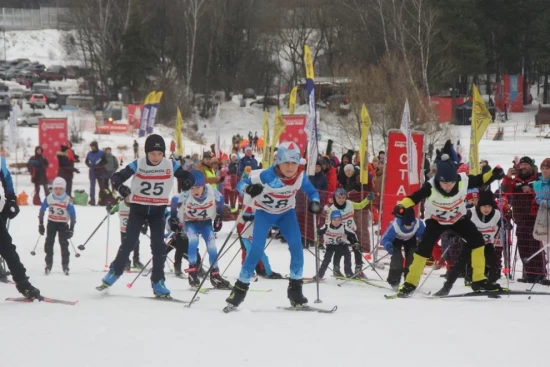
{"x": 312, "y": 151}
{"x": 15, "y": 112}
{"x": 412, "y": 161}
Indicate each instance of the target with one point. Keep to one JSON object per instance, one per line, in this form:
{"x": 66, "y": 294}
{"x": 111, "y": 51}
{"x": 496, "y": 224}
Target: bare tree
{"x": 193, "y": 10}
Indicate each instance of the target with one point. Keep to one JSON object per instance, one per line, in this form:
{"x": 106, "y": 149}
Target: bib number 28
{"x": 149, "y": 189}
{"x": 274, "y": 204}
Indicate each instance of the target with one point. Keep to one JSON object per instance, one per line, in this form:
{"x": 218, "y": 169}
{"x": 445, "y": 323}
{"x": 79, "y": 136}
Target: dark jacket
{"x": 232, "y": 168}
{"x": 37, "y": 165}
{"x": 247, "y": 161}
{"x": 319, "y": 181}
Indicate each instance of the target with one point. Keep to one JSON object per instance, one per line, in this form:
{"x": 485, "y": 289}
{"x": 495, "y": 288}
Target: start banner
{"x": 52, "y": 133}
{"x": 294, "y": 131}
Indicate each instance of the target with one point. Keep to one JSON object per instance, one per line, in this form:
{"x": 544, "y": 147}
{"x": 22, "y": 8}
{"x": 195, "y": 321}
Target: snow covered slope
{"x": 44, "y": 46}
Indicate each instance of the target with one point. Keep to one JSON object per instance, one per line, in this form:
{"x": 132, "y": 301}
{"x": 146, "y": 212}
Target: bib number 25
{"x": 149, "y": 189}
{"x": 272, "y": 203}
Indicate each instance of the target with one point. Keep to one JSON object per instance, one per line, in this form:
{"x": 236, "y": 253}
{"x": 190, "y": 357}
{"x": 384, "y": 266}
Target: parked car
{"x": 29, "y": 119}
{"x": 73, "y": 72}
{"x": 266, "y": 102}
{"x": 55, "y": 72}
{"x": 44, "y": 88}
{"x": 17, "y": 92}
{"x": 38, "y": 100}
{"x": 249, "y": 93}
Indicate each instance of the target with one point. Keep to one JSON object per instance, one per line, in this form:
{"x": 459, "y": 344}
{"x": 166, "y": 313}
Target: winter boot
{"x": 336, "y": 272}
{"x": 66, "y": 270}
{"x": 193, "y": 273}
{"x": 238, "y": 293}
{"x": 177, "y": 269}
{"x": 294, "y": 292}
{"x": 217, "y": 281}
{"x": 359, "y": 273}
{"x": 47, "y": 270}
{"x": 445, "y": 290}
{"x": 138, "y": 264}
{"x": 128, "y": 266}
{"x": 406, "y": 290}
{"x": 159, "y": 289}
{"x": 274, "y": 275}
{"x": 110, "y": 278}
{"x": 485, "y": 286}
{"x": 27, "y": 290}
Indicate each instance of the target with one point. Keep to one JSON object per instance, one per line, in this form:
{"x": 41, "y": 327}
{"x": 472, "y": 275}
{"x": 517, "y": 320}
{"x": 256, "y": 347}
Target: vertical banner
{"x": 145, "y": 113}
{"x": 366, "y": 123}
{"x": 278, "y": 128}
{"x": 295, "y": 131}
{"x": 396, "y": 181}
{"x": 177, "y": 133}
{"x": 14, "y": 135}
{"x": 266, "y": 150}
{"x": 480, "y": 120}
{"x": 51, "y": 134}
{"x": 311, "y": 121}
{"x": 414, "y": 177}
{"x": 292, "y": 100}
{"x": 218, "y": 121}
{"x": 134, "y": 115}
{"x": 153, "y": 112}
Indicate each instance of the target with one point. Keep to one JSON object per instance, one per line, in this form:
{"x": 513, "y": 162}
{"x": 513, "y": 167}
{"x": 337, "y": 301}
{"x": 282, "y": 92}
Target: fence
{"x": 12, "y": 19}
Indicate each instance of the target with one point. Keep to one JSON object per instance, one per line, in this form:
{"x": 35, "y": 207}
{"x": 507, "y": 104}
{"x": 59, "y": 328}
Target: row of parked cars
{"x": 23, "y": 70}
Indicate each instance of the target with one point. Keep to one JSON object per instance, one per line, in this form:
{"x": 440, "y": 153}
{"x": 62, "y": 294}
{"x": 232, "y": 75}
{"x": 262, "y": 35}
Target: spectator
{"x": 330, "y": 173}
{"x": 542, "y": 186}
{"x": 518, "y": 184}
{"x": 95, "y": 160}
{"x": 110, "y": 167}
{"x": 346, "y": 159}
{"x": 246, "y": 173}
{"x": 351, "y": 180}
{"x": 66, "y": 160}
{"x": 334, "y": 159}
{"x": 255, "y": 141}
{"x": 319, "y": 180}
{"x": 379, "y": 177}
{"x": 247, "y": 160}
{"x": 382, "y": 157}
{"x": 136, "y": 149}
{"x": 38, "y": 165}
{"x": 233, "y": 166}
{"x": 209, "y": 173}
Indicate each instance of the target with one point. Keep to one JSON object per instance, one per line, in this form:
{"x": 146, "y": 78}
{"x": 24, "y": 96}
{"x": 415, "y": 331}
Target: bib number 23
{"x": 149, "y": 189}
{"x": 272, "y": 203}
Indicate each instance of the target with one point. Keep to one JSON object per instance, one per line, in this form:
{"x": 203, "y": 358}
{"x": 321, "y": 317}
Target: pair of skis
{"x": 304, "y": 308}
{"x": 496, "y": 294}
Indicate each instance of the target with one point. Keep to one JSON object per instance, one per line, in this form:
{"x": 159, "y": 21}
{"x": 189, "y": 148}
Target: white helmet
{"x": 288, "y": 152}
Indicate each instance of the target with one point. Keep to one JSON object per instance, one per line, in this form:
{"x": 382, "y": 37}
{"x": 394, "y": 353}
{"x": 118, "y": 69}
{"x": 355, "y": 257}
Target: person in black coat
{"x": 66, "y": 169}
{"x": 319, "y": 180}
{"x": 37, "y": 165}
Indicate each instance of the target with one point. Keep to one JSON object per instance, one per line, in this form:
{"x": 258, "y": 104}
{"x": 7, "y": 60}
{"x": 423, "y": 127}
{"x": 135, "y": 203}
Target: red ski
{"x": 42, "y": 299}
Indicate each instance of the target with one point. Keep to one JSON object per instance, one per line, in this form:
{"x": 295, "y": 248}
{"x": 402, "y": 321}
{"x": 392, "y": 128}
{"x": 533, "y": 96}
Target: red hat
{"x": 472, "y": 195}
{"x": 545, "y": 163}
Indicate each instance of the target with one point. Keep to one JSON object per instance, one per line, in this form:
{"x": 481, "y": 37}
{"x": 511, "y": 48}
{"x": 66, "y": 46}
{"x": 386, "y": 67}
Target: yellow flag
{"x": 310, "y": 74}
{"x": 177, "y": 133}
{"x": 278, "y": 128}
{"x": 481, "y": 118}
{"x": 266, "y": 151}
{"x": 292, "y": 100}
{"x": 366, "y": 123}
{"x": 158, "y": 97}
{"x": 149, "y": 98}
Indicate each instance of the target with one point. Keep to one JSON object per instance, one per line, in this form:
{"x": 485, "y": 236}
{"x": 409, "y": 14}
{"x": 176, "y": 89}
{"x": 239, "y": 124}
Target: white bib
{"x": 277, "y": 201}
{"x": 347, "y": 213}
{"x": 123, "y": 215}
{"x": 57, "y": 209}
{"x": 193, "y": 210}
{"x": 335, "y": 236}
{"x": 447, "y": 210}
{"x": 152, "y": 185}
{"x": 488, "y": 230}
{"x": 405, "y": 236}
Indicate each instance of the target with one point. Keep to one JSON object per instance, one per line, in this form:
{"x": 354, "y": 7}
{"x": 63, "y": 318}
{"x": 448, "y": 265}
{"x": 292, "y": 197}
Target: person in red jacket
{"x": 330, "y": 172}
{"x": 518, "y": 186}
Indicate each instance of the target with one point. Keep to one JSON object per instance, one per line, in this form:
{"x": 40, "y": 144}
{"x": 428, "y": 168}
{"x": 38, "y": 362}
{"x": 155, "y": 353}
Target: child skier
{"x": 445, "y": 196}
{"x": 402, "y": 233}
{"x": 347, "y": 209}
{"x": 201, "y": 209}
{"x": 337, "y": 237}
{"x": 60, "y": 213}
{"x": 149, "y": 197}
{"x": 245, "y": 227}
{"x": 487, "y": 221}
{"x": 123, "y": 209}
{"x": 273, "y": 194}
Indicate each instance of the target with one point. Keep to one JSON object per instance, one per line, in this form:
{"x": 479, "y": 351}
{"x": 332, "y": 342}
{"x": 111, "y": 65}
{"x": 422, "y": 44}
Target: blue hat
{"x": 335, "y": 214}
{"x": 446, "y": 170}
{"x": 288, "y": 152}
{"x": 199, "y": 178}
{"x": 409, "y": 217}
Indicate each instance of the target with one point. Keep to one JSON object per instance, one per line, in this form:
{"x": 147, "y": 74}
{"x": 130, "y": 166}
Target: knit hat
{"x": 349, "y": 167}
{"x": 155, "y": 142}
{"x": 527, "y": 160}
{"x": 247, "y": 169}
{"x": 472, "y": 194}
{"x": 206, "y": 155}
{"x": 59, "y": 182}
{"x": 408, "y": 217}
{"x": 446, "y": 170}
{"x": 545, "y": 163}
{"x": 335, "y": 214}
{"x": 199, "y": 178}
{"x": 486, "y": 198}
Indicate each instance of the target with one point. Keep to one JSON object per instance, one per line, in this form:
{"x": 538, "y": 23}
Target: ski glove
{"x": 498, "y": 173}
{"x": 188, "y": 182}
{"x": 315, "y": 207}
{"x": 218, "y": 223}
{"x": 175, "y": 224}
{"x": 124, "y": 191}
{"x": 371, "y": 196}
{"x": 248, "y": 217}
{"x": 254, "y": 190}
{"x": 110, "y": 210}
{"x": 41, "y": 229}
{"x": 399, "y": 210}
{"x": 11, "y": 208}
{"x": 144, "y": 228}
{"x": 69, "y": 233}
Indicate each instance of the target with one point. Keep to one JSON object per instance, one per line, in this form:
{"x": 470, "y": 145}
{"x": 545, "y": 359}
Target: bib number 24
{"x": 149, "y": 189}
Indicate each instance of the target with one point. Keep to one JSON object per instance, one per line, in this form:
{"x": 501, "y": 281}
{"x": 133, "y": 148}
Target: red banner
{"x": 110, "y": 127}
{"x": 294, "y": 130}
{"x": 396, "y": 183}
{"x": 134, "y": 114}
{"x": 52, "y": 132}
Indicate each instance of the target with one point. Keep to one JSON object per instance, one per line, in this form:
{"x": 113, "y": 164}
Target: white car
{"x": 29, "y": 119}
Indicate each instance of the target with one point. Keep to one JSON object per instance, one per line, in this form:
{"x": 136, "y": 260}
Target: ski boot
{"x": 359, "y": 273}
{"x": 4, "y": 274}
{"x": 66, "y": 270}
{"x": 217, "y": 281}
{"x": 177, "y": 270}
{"x": 350, "y": 275}
{"x": 160, "y": 290}
{"x": 485, "y": 286}
{"x": 394, "y": 286}
{"x": 108, "y": 280}
{"x": 445, "y": 290}
{"x": 336, "y": 272}
{"x": 238, "y": 293}
{"x": 138, "y": 264}
{"x": 193, "y": 279}
{"x": 28, "y": 291}
{"x": 47, "y": 270}
{"x": 274, "y": 275}
{"x": 294, "y": 292}
{"x": 128, "y": 266}
{"x": 406, "y": 290}
{"x": 202, "y": 272}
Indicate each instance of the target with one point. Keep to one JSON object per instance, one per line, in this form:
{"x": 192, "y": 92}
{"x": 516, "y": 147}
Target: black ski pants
{"x": 136, "y": 247}
{"x": 181, "y": 245}
{"x": 53, "y": 229}
{"x": 396, "y": 262}
{"x": 464, "y": 265}
{"x": 336, "y": 250}
{"x": 9, "y": 252}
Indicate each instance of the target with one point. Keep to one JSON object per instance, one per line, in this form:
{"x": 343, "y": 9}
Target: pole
{"x": 316, "y": 239}
{"x": 107, "y": 244}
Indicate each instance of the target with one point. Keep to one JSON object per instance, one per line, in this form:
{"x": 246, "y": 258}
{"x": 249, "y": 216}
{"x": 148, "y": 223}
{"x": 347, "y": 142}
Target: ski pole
{"x": 130, "y": 285}
{"x": 433, "y": 268}
{"x": 107, "y": 244}
{"x": 357, "y": 274}
{"x": 316, "y": 240}
{"x": 34, "y": 248}
{"x": 503, "y": 238}
{"x": 215, "y": 260}
{"x": 525, "y": 261}
{"x": 233, "y": 259}
{"x": 76, "y": 254}
{"x": 83, "y": 246}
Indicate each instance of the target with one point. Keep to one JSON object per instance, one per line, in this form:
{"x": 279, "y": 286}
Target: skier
{"x": 245, "y": 227}
{"x": 123, "y": 209}
{"x": 487, "y": 221}
{"x": 201, "y": 208}
{"x": 273, "y": 194}
{"x": 337, "y": 237}
{"x": 402, "y": 233}
{"x": 149, "y": 197}
{"x": 61, "y": 212}
{"x": 347, "y": 209}
{"x": 445, "y": 209}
